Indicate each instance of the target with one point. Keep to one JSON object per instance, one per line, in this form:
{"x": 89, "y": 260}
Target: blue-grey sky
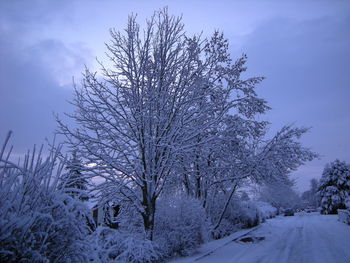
{"x": 301, "y": 47}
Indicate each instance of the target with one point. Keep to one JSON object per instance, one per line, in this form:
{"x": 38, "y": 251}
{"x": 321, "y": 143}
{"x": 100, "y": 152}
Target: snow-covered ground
{"x": 303, "y": 238}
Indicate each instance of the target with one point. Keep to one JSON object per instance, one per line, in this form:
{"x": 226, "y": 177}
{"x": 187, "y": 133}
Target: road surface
{"x": 303, "y": 238}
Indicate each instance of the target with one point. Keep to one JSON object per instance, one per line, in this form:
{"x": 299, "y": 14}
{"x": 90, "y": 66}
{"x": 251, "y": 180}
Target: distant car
{"x": 289, "y": 212}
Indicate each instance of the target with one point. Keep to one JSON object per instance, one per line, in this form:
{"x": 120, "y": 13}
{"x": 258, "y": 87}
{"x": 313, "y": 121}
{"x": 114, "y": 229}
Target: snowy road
{"x": 303, "y": 238}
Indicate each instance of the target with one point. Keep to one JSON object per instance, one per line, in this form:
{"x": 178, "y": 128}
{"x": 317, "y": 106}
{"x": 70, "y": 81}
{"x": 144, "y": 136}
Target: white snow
{"x": 303, "y": 238}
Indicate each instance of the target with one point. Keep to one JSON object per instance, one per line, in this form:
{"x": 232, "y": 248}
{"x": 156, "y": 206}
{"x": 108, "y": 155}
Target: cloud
{"x": 60, "y": 60}
{"x": 35, "y": 75}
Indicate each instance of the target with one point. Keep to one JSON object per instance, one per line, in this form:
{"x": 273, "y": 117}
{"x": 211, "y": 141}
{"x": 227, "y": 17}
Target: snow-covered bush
{"x": 129, "y": 219}
{"x": 266, "y": 210}
{"x": 334, "y": 187}
{"x": 225, "y": 228}
{"x": 248, "y": 214}
{"x": 180, "y": 225}
{"x": 347, "y": 203}
{"x": 239, "y": 214}
{"x": 39, "y": 223}
{"x": 114, "y": 246}
{"x": 344, "y": 216}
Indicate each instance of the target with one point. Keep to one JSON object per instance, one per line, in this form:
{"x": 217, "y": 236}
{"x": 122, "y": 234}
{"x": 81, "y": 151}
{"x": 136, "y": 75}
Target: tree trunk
{"x": 149, "y": 204}
{"x": 225, "y": 207}
{"x": 148, "y": 222}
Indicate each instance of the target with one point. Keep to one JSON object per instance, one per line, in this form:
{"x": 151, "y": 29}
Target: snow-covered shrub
{"x": 180, "y": 225}
{"x": 344, "y": 216}
{"x": 115, "y": 210}
{"x": 114, "y": 246}
{"x": 239, "y": 214}
{"x": 266, "y": 210}
{"x": 334, "y": 187}
{"x": 248, "y": 214}
{"x": 347, "y": 203}
{"x": 225, "y": 228}
{"x": 229, "y": 222}
{"x": 130, "y": 219}
{"x": 39, "y": 223}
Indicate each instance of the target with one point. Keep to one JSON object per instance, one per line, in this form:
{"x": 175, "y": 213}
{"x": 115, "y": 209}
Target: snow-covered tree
{"x": 265, "y": 162}
{"x": 310, "y": 197}
{"x": 160, "y": 100}
{"x": 73, "y": 181}
{"x": 224, "y": 161}
{"x": 278, "y": 157}
{"x": 334, "y": 188}
{"x": 280, "y": 195}
{"x": 174, "y": 112}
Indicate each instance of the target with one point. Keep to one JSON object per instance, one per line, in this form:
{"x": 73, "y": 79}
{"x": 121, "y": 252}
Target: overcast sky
{"x": 301, "y": 47}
